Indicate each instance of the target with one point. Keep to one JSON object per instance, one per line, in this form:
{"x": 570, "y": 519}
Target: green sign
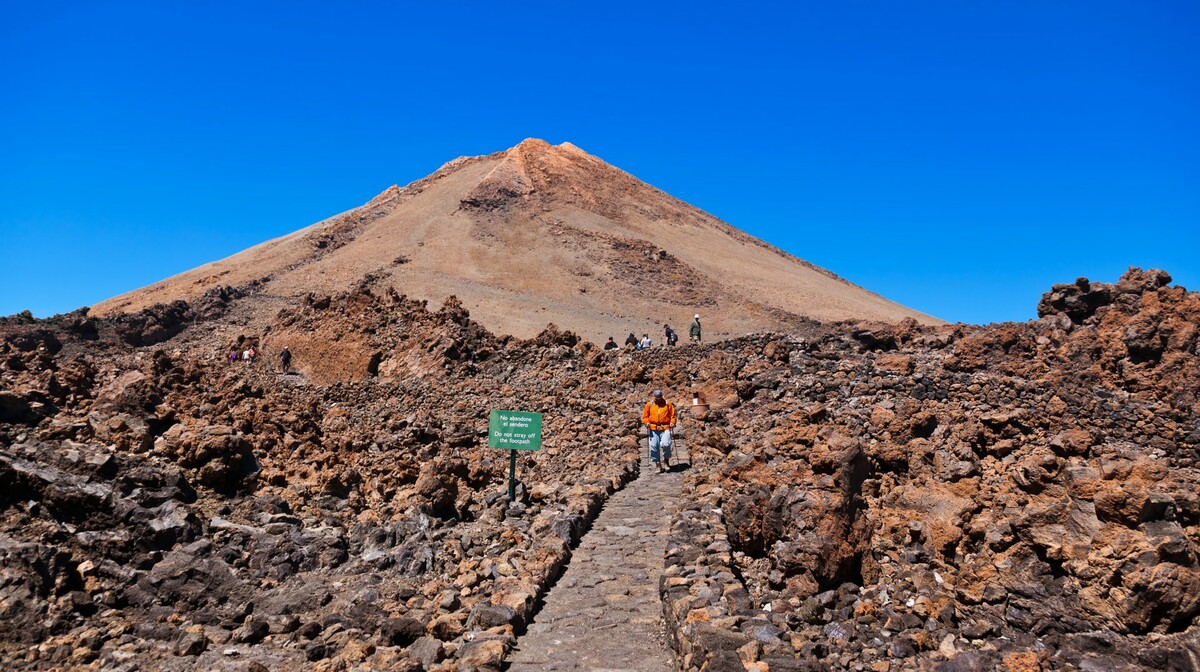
{"x": 515, "y": 430}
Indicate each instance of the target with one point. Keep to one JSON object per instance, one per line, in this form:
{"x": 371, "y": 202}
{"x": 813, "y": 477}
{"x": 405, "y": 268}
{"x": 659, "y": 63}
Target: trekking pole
{"x": 649, "y": 457}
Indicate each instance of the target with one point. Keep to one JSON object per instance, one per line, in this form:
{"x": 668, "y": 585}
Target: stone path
{"x": 605, "y": 614}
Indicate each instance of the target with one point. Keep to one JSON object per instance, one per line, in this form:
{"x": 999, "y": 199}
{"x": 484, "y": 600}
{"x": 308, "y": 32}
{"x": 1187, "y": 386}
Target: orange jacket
{"x": 659, "y": 417}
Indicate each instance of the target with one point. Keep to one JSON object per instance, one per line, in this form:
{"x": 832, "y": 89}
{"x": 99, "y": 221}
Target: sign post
{"x": 514, "y": 430}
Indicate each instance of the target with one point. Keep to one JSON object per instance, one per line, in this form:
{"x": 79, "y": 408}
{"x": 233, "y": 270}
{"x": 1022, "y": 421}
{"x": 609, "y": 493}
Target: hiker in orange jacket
{"x": 659, "y": 418}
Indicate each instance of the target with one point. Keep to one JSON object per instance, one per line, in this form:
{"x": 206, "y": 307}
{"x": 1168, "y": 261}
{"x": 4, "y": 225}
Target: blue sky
{"x": 958, "y": 157}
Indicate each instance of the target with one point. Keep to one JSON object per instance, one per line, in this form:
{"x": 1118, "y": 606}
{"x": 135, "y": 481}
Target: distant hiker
{"x": 248, "y": 355}
{"x": 645, "y": 343}
{"x": 251, "y": 353}
{"x": 669, "y": 335}
{"x": 659, "y": 418}
{"x": 285, "y": 359}
{"x": 611, "y": 344}
{"x": 631, "y": 340}
{"x": 694, "y": 330}
{"x": 233, "y": 356}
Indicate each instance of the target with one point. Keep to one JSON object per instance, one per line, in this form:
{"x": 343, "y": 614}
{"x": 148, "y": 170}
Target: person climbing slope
{"x": 694, "y": 330}
{"x": 659, "y": 418}
{"x": 670, "y": 338}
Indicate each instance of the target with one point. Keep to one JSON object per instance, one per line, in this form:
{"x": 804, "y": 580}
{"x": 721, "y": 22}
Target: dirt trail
{"x": 605, "y": 612}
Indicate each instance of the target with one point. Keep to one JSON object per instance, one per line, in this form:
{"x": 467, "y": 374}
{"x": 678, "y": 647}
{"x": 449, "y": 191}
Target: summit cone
{"x": 540, "y": 234}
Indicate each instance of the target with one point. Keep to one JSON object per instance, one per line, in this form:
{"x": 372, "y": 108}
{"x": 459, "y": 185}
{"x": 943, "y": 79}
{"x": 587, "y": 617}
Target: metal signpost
{"x": 514, "y": 430}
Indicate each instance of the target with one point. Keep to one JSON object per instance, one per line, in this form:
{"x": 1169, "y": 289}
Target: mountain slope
{"x": 541, "y": 234}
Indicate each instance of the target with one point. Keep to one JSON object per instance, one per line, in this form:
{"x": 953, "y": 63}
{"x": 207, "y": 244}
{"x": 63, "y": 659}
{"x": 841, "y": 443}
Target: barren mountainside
{"x": 534, "y": 235}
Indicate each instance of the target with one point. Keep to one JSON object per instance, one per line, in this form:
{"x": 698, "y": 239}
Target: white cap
{"x": 697, "y": 316}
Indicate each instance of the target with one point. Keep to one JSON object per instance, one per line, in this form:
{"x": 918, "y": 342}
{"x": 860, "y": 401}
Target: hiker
{"x": 611, "y": 344}
{"x": 246, "y": 356}
{"x": 285, "y": 359}
{"x": 645, "y": 344}
{"x": 670, "y": 338}
{"x": 631, "y": 340}
{"x": 659, "y": 418}
{"x": 694, "y": 330}
{"x": 251, "y": 354}
{"x": 233, "y": 356}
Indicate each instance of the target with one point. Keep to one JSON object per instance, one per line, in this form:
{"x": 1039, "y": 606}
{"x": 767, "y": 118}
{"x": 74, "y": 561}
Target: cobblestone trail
{"x": 605, "y": 612}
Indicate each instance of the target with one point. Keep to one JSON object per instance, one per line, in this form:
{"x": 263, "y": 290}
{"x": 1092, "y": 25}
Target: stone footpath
{"x": 605, "y": 612}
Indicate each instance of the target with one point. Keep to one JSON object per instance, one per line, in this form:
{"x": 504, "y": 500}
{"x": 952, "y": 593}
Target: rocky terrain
{"x": 1019, "y": 496}
{"x": 863, "y": 496}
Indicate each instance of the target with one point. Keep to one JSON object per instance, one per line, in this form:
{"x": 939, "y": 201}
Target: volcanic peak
{"x": 532, "y": 235}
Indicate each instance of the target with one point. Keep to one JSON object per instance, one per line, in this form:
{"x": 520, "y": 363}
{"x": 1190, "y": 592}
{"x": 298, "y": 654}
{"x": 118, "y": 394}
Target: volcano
{"x": 178, "y": 494}
{"x": 534, "y": 235}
